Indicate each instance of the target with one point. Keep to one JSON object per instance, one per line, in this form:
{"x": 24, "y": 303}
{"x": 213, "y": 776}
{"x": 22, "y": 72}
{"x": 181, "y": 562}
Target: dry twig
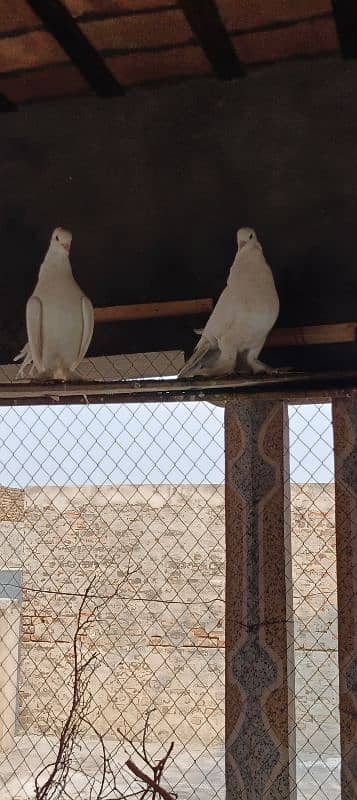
{"x": 55, "y": 785}
{"x": 157, "y": 769}
{"x": 150, "y": 782}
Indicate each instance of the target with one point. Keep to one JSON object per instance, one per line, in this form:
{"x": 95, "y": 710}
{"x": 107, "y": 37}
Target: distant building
{"x": 160, "y": 640}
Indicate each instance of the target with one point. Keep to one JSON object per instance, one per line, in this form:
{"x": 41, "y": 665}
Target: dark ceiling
{"x": 51, "y": 48}
{"x": 154, "y": 180}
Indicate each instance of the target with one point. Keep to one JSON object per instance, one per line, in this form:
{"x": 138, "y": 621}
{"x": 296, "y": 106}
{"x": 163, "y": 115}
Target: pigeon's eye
{"x": 251, "y": 236}
{"x": 57, "y": 239}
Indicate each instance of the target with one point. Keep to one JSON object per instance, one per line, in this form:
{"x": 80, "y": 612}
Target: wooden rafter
{"x": 335, "y": 333}
{"x": 330, "y": 333}
{"x": 59, "y": 22}
{"x": 345, "y": 12}
{"x": 172, "y": 308}
{"x": 208, "y": 28}
{"x": 99, "y": 14}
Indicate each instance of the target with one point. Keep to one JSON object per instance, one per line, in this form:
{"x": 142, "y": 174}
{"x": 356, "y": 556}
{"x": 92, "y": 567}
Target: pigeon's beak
{"x": 242, "y": 244}
{"x": 66, "y": 247}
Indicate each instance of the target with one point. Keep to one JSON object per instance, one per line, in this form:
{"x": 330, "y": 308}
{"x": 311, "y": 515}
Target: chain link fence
{"x": 112, "y": 563}
{"x": 134, "y": 366}
{"x": 112, "y": 549}
{"x": 314, "y": 603}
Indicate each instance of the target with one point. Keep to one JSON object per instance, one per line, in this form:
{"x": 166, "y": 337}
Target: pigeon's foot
{"x": 207, "y": 372}
{"x": 76, "y": 378}
{"x": 21, "y": 375}
{"x": 259, "y": 368}
{"x": 47, "y": 380}
{"x": 63, "y": 376}
{"x": 281, "y": 370}
{"x": 72, "y": 379}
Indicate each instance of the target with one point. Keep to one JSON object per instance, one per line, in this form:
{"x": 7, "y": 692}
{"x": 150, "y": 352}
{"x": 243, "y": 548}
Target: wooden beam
{"x": 207, "y": 26}
{"x": 173, "y": 308}
{"x": 60, "y": 23}
{"x": 312, "y": 334}
{"x": 279, "y": 337}
{"x": 345, "y": 12}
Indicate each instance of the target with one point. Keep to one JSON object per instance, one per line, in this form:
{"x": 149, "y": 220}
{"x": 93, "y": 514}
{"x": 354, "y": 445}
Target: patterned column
{"x": 345, "y": 441}
{"x": 259, "y": 690}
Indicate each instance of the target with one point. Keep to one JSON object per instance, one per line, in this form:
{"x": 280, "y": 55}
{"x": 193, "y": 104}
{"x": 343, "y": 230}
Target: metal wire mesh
{"x": 128, "y": 501}
{"x": 112, "y": 564}
{"x": 133, "y": 366}
{"x": 314, "y": 602}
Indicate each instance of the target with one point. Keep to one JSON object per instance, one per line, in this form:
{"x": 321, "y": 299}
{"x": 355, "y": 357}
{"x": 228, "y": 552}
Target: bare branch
{"x": 150, "y": 782}
{"x": 55, "y": 786}
{"x": 146, "y": 727}
{"x": 58, "y": 776}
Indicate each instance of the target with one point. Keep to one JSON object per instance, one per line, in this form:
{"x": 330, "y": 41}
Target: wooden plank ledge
{"x": 308, "y": 385}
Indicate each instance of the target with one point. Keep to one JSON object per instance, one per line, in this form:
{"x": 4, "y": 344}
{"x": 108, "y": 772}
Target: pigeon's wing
{"x": 87, "y": 330}
{"x": 204, "y": 353}
{"x": 223, "y": 315}
{"x": 34, "y": 330}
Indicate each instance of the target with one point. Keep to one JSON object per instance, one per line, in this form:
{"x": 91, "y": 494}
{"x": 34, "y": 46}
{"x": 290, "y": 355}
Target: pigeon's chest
{"x": 61, "y": 321}
{"x": 58, "y": 297}
{"x": 254, "y": 290}
{"x": 253, "y": 308}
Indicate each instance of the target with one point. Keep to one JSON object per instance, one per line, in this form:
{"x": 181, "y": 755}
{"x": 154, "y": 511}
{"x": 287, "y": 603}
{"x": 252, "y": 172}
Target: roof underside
{"x": 52, "y": 48}
{"x": 155, "y": 184}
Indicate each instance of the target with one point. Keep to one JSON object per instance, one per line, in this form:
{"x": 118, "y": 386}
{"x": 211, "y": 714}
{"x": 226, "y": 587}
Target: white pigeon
{"x": 59, "y": 316}
{"x": 242, "y": 317}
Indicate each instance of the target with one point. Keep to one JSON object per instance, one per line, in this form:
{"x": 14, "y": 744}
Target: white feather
{"x": 59, "y": 317}
{"x": 242, "y": 318}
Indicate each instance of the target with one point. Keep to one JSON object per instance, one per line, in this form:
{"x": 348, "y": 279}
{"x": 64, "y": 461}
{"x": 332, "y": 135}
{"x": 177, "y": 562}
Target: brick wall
{"x": 11, "y": 505}
{"x": 160, "y": 640}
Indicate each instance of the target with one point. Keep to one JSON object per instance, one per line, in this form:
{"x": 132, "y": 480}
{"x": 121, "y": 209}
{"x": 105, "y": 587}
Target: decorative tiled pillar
{"x": 260, "y": 751}
{"x": 345, "y": 442}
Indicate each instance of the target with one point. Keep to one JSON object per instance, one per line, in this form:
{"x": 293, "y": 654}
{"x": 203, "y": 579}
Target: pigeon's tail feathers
{"x": 24, "y": 354}
{"x": 199, "y": 331}
{"x": 199, "y": 356}
{"x": 20, "y": 355}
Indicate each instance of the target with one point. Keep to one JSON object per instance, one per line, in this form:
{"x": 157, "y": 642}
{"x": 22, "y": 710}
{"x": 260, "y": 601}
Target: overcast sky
{"x": 152, "y": 443}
